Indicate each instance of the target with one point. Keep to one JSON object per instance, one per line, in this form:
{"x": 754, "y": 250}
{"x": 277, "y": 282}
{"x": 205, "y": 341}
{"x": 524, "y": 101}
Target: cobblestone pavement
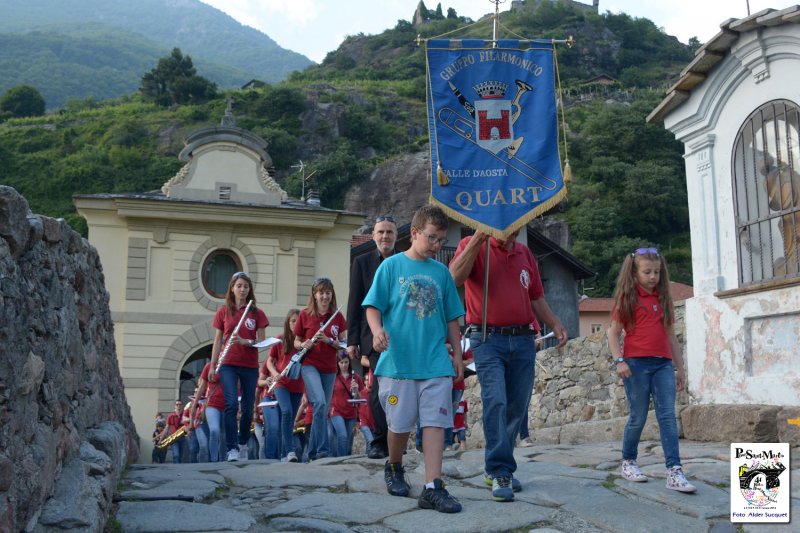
{"x": 571, "y": 489}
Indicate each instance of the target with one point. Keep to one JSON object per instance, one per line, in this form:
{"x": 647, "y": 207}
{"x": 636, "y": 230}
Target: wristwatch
{"x": 619, "y": 360}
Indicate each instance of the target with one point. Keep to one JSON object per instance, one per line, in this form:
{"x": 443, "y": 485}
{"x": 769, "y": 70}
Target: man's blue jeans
{"x": 288, "y": 402}
{"x": 319, "y": 389}
{"x": 177, "y": 450}
{"x": 233, "y": 377}
{"x": 505, "y": 367}
{"x": 651, "y": 376}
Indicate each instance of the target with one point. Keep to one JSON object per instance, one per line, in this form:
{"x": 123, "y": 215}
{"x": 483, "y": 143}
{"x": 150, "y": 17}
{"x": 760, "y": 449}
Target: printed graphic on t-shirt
{"x": 250, "y": 324}
{"x": 335, "y": 331}
{"x": 421, "y": 294}
{"x": 525, "y": 278}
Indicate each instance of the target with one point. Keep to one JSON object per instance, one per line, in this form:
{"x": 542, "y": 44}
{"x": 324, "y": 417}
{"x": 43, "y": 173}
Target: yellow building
{"x": 168, "y": 256}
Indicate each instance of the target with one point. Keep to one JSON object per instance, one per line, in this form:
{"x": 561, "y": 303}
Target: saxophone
{"x": 172, "y": 438}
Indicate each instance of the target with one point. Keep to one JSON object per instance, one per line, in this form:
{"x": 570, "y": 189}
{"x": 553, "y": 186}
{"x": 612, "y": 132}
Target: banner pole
{"x": 485, "y": 290}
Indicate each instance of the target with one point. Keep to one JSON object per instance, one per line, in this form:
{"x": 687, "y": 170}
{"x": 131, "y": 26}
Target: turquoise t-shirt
{"x": 416, "y": 300}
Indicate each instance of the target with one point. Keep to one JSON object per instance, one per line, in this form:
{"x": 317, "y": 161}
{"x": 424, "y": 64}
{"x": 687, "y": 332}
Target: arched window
{"x": 218, "y": 268}
{"x": 766, "y": 181}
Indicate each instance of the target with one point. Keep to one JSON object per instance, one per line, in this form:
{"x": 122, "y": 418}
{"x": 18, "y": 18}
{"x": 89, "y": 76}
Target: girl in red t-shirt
{"x": 344, "y": 414}
{"x": 240, "y": 367}
{"x": 319, "y": 364}
{"x": 643, "y": 309}
{"x": 288, "y": 392}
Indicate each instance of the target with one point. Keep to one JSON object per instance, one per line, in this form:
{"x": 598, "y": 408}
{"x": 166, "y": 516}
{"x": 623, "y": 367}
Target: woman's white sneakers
{"x": 676, "y": 480}
{"x": 631, "y": 472}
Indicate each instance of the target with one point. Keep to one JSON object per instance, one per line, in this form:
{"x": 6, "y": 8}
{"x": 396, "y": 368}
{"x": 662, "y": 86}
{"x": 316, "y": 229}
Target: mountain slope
{"x": 137, "y": 33}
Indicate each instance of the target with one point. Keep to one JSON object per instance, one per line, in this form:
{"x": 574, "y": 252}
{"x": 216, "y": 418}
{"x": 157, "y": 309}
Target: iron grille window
{"x": 766, "y": 181}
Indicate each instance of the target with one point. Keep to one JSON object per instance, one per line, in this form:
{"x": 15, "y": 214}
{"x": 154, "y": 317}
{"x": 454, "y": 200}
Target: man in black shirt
{"x": 359, "y": 336}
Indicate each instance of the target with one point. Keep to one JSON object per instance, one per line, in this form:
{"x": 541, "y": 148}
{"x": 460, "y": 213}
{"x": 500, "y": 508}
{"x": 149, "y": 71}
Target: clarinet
{"x": 230, "y": 339}
{"x": 353, "y": 385}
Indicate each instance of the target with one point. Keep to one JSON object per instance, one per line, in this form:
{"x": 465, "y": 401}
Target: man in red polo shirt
{"x": 505, "y": 360}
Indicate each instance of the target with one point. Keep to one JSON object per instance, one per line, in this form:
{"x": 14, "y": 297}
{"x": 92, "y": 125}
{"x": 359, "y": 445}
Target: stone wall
{"x": 577, "y": 396}
{"x": 66, "y": 432}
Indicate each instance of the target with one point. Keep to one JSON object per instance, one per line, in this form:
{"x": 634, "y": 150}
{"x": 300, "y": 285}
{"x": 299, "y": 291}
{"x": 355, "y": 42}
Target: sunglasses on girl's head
{"x": 239, "y": 275}
{"x": 321, "y": 280}
{"x": 644, "y": 251}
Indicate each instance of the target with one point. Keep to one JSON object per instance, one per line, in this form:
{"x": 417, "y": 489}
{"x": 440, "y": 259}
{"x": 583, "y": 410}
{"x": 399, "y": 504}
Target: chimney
{"x": 313, "y": 197}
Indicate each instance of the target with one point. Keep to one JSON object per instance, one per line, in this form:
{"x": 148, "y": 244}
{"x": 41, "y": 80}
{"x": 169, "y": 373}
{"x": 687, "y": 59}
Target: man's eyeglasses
{"x": 645, "y": 251}
{"x": 385, "y": 218}
{"x": 432, "y": 239}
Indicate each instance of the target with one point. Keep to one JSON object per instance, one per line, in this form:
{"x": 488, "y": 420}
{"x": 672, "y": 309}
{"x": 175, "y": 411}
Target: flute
{"x": 296, "y": 358}
{"x": 230, "y": 339}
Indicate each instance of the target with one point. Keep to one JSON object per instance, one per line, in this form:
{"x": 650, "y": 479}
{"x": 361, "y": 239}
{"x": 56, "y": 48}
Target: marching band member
{"x": 319, "y": 364}
{"x": 240, "y": 365}
{"x": 210, "y": 389}
{"x": 343, "y": 414}
{"x": 288, "y": 392}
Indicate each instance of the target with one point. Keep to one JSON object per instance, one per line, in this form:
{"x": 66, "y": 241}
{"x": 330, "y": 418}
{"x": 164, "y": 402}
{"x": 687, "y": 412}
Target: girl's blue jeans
{"x": 651, "y": 377}
{"x": 232, "y": 378}
{"x": 341, "y": 435}
{"x": 319, "y": 389}
{"x": 288, "y": 402}
{"x": 272, "y": 424}
{"x": 214, "y": 422}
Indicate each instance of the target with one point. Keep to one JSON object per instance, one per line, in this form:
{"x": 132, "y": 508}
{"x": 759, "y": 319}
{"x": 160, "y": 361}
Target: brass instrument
{"x": 230, "y": 339}
{"x": 172, "y": 438}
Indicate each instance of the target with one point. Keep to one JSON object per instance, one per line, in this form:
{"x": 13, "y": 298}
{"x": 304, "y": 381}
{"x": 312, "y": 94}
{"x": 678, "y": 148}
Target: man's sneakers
{"x": 501, "y": 489}
{"x": 676, "y": 480}
{"x": 630, "y": 471}
{"x": 438, "y": 498}
{"x": 394, "y": 475}
{"x": 233, "y": 455}
{"x": 291, "y": 457}
{"x": 516, "y": 485}
{"x": 525, "y": 443}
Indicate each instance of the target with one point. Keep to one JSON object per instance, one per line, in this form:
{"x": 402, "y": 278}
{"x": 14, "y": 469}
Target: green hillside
{"x": 366, "y": 102}
{"x": 99, "y": 48}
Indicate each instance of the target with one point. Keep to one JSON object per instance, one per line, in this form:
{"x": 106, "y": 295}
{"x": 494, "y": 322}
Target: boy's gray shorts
{"x": 406, "y": 400}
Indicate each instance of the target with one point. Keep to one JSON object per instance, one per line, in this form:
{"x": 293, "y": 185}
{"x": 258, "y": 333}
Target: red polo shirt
{"x": 513, "y": 283}
{"x": 648, "y": 338}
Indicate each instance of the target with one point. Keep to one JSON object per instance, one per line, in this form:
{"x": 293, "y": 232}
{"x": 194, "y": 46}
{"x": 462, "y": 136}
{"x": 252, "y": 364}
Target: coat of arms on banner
{"x": 760, "y": 482}
{"x": 492, "y": 120}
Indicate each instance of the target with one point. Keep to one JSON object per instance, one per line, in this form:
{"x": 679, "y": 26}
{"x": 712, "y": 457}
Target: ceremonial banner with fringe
{"x": 494, "y": 138}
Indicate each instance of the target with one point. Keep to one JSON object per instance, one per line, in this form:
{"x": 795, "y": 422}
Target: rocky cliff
{"x": 66, "y": 433}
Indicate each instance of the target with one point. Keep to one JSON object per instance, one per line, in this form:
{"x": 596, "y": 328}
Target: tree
{"x": 175, "y": 81}
{"x": 22, "y": 101}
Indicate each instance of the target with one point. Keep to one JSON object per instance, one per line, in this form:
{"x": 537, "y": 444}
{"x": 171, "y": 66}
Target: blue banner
{"x": 494, "y": 137}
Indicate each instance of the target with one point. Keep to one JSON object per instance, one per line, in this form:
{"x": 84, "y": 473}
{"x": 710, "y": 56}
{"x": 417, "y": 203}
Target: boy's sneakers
{"x": 438, "y": 498}
{"x": 677, "y": 481}
{"x": 501, "y": 489}
{"x": 631, "y": 472}
{"x": 394, "y": 475}
{"x": 291, "y": 457}
{"x": 525, "y": 443}
{"x": 516, "y": 485}
{"x": 233, "y": 455}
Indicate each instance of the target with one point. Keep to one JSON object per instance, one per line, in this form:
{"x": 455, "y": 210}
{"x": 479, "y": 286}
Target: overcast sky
{"x": 316, "y": 27}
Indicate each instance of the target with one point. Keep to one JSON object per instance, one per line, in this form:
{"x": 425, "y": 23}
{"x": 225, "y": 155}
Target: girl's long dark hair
{"x": 230, "y": 298}
{"x": 288, "y": 335}
{"x": 626, "y": 298}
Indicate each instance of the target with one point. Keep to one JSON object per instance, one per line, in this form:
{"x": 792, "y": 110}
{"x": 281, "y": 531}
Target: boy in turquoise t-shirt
{"x": 412, "y": 308}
